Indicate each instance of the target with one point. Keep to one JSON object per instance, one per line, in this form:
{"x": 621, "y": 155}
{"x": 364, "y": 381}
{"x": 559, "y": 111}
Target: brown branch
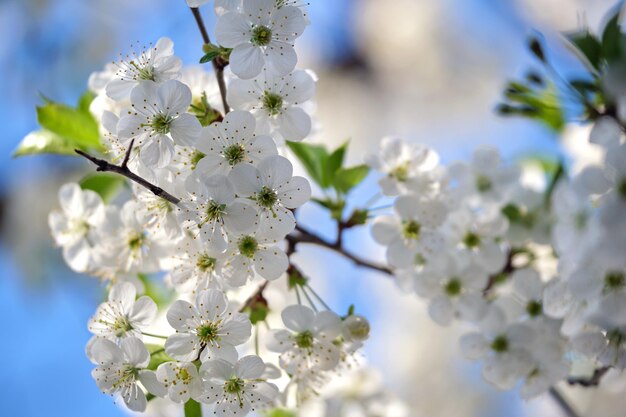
{"x": 123, "y": 170}
{"x": 219, "y": 63}
{"x": 127, "y": 156}
{"x": 592, "y": 381}
{"x": 568, "y": 410}
{"x": 305, "y": 236}
{"x": 256, "y": 297}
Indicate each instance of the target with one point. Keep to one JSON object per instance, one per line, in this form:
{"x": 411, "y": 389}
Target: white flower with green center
{"x": 120, "y": 369}
{"x": 181, "y": 380}
{"x": 413, "y": 230}
{"x": 236, "y": 387}
{"x": 197, "y": 268}
{"x": 156, "y": 63}
{"x": 254, "y": 252}
{"x": 127, "y": 245}
{"x": 74, "y": 226}
{"x": 454, "y": 290}
{"x": 276, "y": 102}
{"x": 213, "y": 212}
{"x": 231, "y": 142}
{"x": 479, "y": 235}
{"x": 307, "y": 343}
{"x": 160, "y": 213}
{"x": 274, "y": 191}
{"x": 503, "y": 346}
{"x": 157, "y": 120}
{"x": 261, "y": 35}
{"x": 485, "y": 178}
{"x": 407, "y": 167}
{"x": 209, "y": 329}
{"x": 122, "y": 316}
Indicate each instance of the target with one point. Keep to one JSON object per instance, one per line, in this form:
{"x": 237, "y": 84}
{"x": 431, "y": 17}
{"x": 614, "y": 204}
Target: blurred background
{"x": 431, "y": 71}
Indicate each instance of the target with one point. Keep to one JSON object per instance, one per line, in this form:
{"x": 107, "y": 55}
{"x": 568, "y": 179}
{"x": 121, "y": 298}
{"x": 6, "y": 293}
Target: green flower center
{"x": 453, "y": 287}
{"x": 248, "y": 246}
{"x": 206, "y": 263}
{"x": 483, "y": 183}
{"x": 121, "y": 326}
{"x": 214, "y": 211}
{"x": 273, "y": 103}
{"x": 183, "y": 375}
{"x": 207, "y": 333}
{"x": 400, "y": 172}
{"x": 411, "y": 230}
{"x": 144, "y": 73}
{"x": 234, "y": 154}
{"x": 135, "y": 242}
{"x": 266, "y": 197}
{"x": 614, "y": 280}
{"x": 534, "y": 308}
{"x": 195, "y": 158}
{"x": 471, "y": 240}
{"x": 304, "y": 340}
{"x": 161, "y": 123}
{"x": 261, "y": 36}
{"x": 500, "y": 344}
{"x": 234, "y": 385}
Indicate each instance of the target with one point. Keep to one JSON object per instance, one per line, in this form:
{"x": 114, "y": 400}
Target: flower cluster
{"x": 538, "y": 269}
{"x": 225, "y": 229}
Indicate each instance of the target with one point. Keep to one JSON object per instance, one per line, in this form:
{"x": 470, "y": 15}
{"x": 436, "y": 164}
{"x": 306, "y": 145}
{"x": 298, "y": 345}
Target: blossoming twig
{"x": 218, "y": 62}
{"x": 105, "y": 166}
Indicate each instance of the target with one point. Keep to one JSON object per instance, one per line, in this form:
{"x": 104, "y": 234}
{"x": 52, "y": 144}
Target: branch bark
{"x": 566, "y": 407}
{"x": 105, "y": 166}
{"x": 218, "y": 62}
{"x": 302, "y": 235}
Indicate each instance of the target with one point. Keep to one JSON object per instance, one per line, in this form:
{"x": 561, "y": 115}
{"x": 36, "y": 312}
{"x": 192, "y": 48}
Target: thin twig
{"x": 105, "y": 166}
{"x": 305, "y": 236}
{"x": 592, "y": 381}
{"x": 127, "y": 156}
{"x": 567, "y": 409}
{"x": 218, "y": 62}
{"x": 257, "y": 296}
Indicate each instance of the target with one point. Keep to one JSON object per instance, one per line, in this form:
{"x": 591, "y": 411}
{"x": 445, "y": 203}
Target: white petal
{"x": 135, "y": 352}
{"x": 174, "y": 97}
{"x": 185, "y": 129}
{"x": 275, "y": 170}
{"x": 298, "y": 318}
{"x": 295, "y": 124}
{"x": 232, "y": 30}
{"x": 183, "y": 347}
{"x": 249, "y": 367}
{"x": 211, "y": 304}
{"x": 282, "y": 58}
{"x": 270, "y": 263}
{"x": 246, "y": 61}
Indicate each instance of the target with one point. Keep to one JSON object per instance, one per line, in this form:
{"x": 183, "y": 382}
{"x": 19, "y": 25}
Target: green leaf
{"x": 333, "y": 163}
{"x": 161, "y": 295}
{"x": 106, "y": 185}
{"x": 612, "y": 38}
{"x": 348, "y": 178}
{"x": 157, "y": 356}
{"x": 84, "y": 102}
{"x": 586, "y": 46}
{"x": 313, "y": 158}
{"x": 258, "y": 312}
{"x": 44, "y": 141}
{"x": 210, "y": 56}
{"x": 193, "y": 409}
{"x": 76, "y": 125}
{"x": 540, "y": 103}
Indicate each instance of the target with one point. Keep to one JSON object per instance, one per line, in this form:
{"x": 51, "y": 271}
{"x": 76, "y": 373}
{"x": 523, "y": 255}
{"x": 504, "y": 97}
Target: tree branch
{"x": 257, "y": 296}
{"x": 218, "y": 62}
{"x": 592, "y": 381}
{"x": 304, "y": 236}
{"x": 567, "y": 409}
{"x": 105, "y": 166}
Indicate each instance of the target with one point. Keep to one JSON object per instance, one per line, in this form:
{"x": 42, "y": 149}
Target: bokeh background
{"x": 429, "y": 70}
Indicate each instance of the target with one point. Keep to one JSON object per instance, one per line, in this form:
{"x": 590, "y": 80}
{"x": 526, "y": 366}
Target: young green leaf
{"x": 313, "y": 158}
{"x": 106, "y": 185}
{"x": 612, "y": 39}
{"x": 587, "y": 47}
{"x": 74, "y": 124}
{"x": 157, "y": 356}
{"x": 43, "y": 141}
{"x": 193, "y": 409}
{"x": 334, "y": 162}
{"x": 348, "y": 178}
